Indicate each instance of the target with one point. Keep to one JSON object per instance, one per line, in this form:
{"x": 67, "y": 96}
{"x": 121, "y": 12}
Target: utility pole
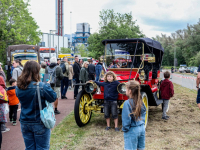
{"x": 58, "y": 42}
{"x": 50, "y": 46}
{"x": 71, "y": 29}
{"x": 63, "y": 41}
{"x": 174, "y": 57}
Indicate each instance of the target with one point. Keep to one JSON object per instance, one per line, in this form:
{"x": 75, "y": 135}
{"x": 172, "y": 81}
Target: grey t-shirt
{"x": 17, "y": 72}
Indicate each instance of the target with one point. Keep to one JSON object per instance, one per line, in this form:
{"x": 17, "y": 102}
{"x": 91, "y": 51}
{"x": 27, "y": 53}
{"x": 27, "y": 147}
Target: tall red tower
{"x": 59, "y": 17}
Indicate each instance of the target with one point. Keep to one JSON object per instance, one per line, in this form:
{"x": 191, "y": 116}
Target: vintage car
{"x": 138, "y": 59}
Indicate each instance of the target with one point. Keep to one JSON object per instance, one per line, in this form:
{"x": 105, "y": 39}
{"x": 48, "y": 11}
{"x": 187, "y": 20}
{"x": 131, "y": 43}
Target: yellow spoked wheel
{"x": 145, "y": 101}
{"x": 81, "y": 111}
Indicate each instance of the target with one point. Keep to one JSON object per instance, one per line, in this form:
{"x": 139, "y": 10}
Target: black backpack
{"x": 63, "y": 67}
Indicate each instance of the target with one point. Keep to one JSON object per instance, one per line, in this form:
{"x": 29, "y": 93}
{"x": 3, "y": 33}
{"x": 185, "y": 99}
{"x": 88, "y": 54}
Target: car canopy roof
{"x": 147, "y": 41}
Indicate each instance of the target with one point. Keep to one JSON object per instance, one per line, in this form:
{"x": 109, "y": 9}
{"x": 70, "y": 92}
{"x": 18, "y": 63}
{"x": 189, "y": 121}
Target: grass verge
{"x": 180, "y": 132}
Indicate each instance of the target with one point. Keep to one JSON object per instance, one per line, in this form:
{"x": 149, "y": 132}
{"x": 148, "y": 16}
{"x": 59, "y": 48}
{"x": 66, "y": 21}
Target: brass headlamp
{"x": 90, "y": 87}
{"x": 121, "y": 88}
{"x": 142, "y": 76}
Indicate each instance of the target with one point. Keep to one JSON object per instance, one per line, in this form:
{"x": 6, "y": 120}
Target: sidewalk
{"x": 13, "y": 139}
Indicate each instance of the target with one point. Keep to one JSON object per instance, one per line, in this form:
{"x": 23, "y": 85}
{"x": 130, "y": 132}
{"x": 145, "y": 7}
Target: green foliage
{"x": 81, "y": 50}
{"x": 184, "y": 43}
{"x": 65, "y": 50}
{"x": 112, "y": 26}
{"x": 17, "y": 26}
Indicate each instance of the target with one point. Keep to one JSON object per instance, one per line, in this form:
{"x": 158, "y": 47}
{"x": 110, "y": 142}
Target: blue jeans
{"x": 70, "y": 83}
{"x": 135, "y": 138}
{"x": 64, "y": 86}
{"x": 36, "y": 136}
{"x": 97, "y": 77}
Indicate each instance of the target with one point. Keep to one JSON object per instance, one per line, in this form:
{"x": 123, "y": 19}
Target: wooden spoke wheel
{"x": 81, "y": 111}
{"x": 145, "y": 101}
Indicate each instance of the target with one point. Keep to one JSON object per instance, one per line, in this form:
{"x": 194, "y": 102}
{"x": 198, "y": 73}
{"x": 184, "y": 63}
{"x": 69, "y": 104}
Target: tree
{"x": 65, "y": 50}
{"x": 17, "y": 26}
{"x": 112, "y": 26}
{"x": 81, "y": 50}
{"x": 186, "y": 42}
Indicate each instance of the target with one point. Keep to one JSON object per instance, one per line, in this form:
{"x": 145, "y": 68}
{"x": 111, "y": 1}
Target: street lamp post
{"x": 174, "y": 58}
{"x": 50, "y": 43}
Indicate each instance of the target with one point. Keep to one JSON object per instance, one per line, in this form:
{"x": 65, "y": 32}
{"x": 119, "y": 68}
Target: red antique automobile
{"x": 132, "y": 59}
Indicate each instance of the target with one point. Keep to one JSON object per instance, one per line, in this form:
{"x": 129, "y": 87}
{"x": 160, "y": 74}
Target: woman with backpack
{"x": 56, "y": 76}
{"x": 35, "y": 134}
{"x": 18, "y": 67}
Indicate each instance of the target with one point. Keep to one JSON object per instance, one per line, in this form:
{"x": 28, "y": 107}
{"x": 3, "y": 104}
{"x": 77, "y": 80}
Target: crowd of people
{"x": 54, "y": 80}
{"x": 22, "y": 90}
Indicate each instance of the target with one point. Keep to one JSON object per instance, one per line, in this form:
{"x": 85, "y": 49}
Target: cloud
{"x": 153, "y": 16}
{"x": 118, "y": 5}
{"x": 165, "y": 24}
{"x": 156, "y": 16}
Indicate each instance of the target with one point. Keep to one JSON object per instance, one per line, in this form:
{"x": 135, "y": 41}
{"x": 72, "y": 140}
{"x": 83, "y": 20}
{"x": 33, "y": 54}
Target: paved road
{"x": 13, "y": 140}
{"x": 183, "y": 80}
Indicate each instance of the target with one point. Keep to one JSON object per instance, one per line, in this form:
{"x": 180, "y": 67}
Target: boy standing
{"x": 167, "y": 91}
{"x": 13, "y": 101}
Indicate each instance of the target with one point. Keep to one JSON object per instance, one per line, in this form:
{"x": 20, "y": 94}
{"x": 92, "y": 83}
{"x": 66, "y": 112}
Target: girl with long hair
{"x": 133, "y": 118}
{"x": 35, "y": 134}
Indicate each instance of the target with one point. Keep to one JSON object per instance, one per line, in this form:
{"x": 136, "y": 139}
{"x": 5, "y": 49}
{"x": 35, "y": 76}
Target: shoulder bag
{"x": 47, "y": 114}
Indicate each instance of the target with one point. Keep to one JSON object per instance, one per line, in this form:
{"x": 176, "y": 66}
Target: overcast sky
{"x": 153, "y": 16}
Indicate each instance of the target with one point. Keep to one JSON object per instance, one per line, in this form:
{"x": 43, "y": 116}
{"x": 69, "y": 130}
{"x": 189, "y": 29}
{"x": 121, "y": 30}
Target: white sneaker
{"x": 6, "y": 130}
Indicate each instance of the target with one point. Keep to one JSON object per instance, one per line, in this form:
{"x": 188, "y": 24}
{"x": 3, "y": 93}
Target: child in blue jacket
{"x": 110, "y": 98}
{"x": 133, "y": 118}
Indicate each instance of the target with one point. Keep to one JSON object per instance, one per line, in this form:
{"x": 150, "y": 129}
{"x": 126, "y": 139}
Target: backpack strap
{"x": 39, "y": 97}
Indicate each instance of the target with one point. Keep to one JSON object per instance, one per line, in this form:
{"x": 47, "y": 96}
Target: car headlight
{"x": 122, "y": 88}
{"x": 90, "y": 87}
{"x": 142, "y": 75}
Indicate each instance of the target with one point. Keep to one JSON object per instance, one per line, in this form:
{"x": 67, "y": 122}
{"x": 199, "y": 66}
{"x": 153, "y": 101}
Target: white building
{"x": 53, "y": 41}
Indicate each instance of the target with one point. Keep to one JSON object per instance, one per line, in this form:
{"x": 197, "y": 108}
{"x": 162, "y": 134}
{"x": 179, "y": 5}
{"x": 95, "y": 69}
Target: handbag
{"x": 47, "y": 114}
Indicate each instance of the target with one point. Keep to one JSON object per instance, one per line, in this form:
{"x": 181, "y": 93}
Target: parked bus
{"x": 44, "y": 52}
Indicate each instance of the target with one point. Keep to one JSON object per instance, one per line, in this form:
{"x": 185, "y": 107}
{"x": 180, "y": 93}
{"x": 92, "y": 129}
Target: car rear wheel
{"x": 145, "y": 101}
